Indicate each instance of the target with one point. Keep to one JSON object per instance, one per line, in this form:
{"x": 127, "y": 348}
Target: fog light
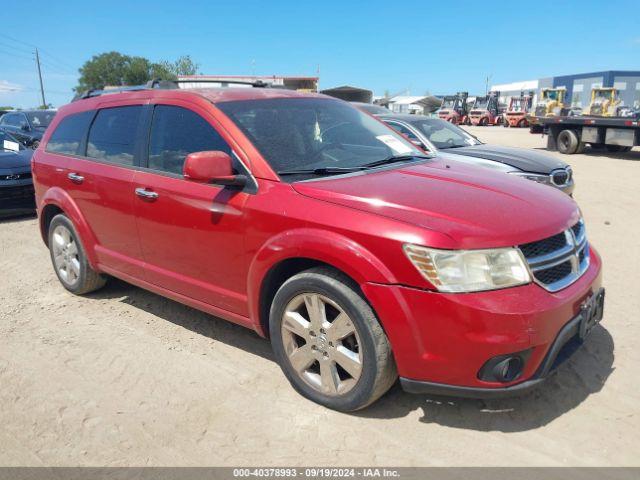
{"x": 508, "y": 370}
{"x": 504, "y": 368}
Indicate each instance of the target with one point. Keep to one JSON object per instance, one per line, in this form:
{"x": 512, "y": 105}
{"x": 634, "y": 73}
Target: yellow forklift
{"x": 550, "y": 104}
{"x": 604, "y": 103}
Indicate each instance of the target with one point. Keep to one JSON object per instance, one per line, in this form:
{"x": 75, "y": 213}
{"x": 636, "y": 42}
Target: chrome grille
{"x": 558, "y": 261}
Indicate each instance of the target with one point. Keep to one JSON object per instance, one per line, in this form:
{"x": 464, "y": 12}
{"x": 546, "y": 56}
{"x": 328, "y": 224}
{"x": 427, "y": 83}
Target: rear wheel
{"x": 523, "y": 123}
{"x": 568, "y": 142}
{"x": 69, "y": 259}
{"x": 483, "y": 122}
{"x": 329, "y": 342}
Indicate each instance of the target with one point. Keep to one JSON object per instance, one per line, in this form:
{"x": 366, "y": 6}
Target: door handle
{"x": 75, "y": 178}
{"x": 146, "y": 194}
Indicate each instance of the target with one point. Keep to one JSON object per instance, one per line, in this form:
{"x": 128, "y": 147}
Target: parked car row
{"x": 445, "y": 137}
{"x": 28, "y": 126}
{"x": 16, "y": 185}
{"x": 363, "y": 255}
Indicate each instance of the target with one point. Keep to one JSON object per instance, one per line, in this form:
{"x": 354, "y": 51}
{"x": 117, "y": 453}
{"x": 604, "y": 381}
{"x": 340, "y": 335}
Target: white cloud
{"x": 6, "y": 87}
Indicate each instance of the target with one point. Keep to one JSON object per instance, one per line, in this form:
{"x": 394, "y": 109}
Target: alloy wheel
{"x": 322, "y": 344}
{"x": 66, "y": 255}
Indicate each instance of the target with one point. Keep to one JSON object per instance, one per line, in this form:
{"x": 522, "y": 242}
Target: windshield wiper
{"x": 339, "y": 170}
{"x": 393, "y": 159}
{"x": 320, "y": 171}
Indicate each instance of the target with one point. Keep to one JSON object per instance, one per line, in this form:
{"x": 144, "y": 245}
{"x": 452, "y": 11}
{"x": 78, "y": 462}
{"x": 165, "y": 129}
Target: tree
{"x": 117, "y": 69}
{"x": 184, "y": 65}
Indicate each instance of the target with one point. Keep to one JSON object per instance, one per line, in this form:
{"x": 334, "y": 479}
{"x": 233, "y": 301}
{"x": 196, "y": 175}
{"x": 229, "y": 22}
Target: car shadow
{"x": 633, "y": 155}
{"x": 184, "y": 316}
{"x": 583, "y": 374}
{"x": 22, "y": 217}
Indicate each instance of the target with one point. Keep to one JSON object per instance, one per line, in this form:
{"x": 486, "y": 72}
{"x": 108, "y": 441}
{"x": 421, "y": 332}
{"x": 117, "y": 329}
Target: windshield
{"x": 445, "y": 135}
{"x": 550, "y": 95}
{"x": 481, "y": 103}
{"x": 375, "y": 109}
{"x": 517, "y": 105}
{"x": 448, "y": 103}
{"x": 40, "y": 119}
{"x": 9, "y": 143}
{"x": 315, "y": 133}
{"x": 602, "y": 96}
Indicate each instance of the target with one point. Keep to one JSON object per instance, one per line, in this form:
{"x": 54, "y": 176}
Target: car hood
{"x": 474, "y": 206}
{"x": 15, "y": 160}
{"x": 524, "y": 159}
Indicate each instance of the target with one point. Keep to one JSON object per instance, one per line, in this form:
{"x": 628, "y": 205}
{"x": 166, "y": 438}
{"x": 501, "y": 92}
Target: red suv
{"x": 314, "y": 224}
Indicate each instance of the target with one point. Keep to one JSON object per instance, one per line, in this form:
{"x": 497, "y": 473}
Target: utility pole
{"x": 486, "y": 88}
{"x": 44, "y": 103}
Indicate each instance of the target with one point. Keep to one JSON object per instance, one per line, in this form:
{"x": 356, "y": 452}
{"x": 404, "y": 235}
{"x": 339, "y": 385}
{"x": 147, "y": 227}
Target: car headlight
{"x": 546, "y": 179}
{"x": 469, "y": 270}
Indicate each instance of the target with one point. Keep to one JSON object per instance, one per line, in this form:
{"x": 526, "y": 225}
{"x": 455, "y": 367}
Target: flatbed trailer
{"x": 570, "y": 134}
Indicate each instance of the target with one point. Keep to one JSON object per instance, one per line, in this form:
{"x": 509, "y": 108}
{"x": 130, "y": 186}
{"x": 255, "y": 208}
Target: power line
{"x": 52, "y": 59}
{"x": 16, "y": 55}
{"x": 13, "y": 47}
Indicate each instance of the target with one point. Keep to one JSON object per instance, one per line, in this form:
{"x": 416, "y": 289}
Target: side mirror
{"x": 211, "y": 167}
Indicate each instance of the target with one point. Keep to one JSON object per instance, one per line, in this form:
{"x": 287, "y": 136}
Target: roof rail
{"x": 158, "y": 83}
{"x": 254, "y": 84}
{"x": 155, "y": 83}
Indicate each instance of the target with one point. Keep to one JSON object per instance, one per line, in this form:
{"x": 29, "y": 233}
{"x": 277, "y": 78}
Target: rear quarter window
{"x": 68, "y": 136}
{"x": 112, "y": 136}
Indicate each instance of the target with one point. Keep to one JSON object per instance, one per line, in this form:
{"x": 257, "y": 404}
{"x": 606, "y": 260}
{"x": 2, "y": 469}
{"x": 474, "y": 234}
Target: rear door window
{"x": 175, "y": 133}
{"x": 112, "y": 136}
{"x": 68, "y": 136}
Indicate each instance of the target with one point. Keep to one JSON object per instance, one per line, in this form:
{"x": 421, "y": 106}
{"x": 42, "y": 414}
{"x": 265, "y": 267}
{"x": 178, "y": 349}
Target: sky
{"x": 411, "y": 47}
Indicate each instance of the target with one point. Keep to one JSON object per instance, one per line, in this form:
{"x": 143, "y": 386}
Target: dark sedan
{"x": 433, "y": 134}
{"x": 16, "y": 184}
{"x": 28, "y": 126}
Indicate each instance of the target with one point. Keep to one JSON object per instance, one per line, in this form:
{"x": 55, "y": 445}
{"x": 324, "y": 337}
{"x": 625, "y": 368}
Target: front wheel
{"x": 328, "y": 341}
{"x": 69, "y": 258}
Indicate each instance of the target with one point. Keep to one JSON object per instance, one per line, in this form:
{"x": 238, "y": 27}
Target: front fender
{"x": 331, "y": 248}
{"x": 61, "y": 199}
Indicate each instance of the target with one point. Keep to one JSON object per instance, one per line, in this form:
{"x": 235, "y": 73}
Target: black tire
{"x": 483, "y": 122}
{"x": 536, "y": 129}
{"x": 568, "y": 142}
{"x": 378, "y": 371}
{"x": 523, "y": 123}
{"x": 505, "y": 124}
{"x": 88, "y": 280}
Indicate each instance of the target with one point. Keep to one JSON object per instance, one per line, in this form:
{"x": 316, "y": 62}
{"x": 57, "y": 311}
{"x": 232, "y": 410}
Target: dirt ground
{"x": 125, "y": 377}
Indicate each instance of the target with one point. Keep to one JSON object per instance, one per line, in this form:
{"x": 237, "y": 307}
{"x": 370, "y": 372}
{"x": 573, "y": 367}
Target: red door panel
{"x": 192, "y": 238}
{"x": 104, "y": 194}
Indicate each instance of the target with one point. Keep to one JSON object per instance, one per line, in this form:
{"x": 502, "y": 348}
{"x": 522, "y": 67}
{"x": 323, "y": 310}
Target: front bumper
{"x": 17, "y": 197}
{"x": 441, "y": 341}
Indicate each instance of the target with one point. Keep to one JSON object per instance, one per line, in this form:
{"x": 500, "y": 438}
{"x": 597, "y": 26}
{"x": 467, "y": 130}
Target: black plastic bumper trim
{"x": 418, "y": 386}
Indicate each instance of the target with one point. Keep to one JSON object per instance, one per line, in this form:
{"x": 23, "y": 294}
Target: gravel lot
{"x": 125, "y": 377}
